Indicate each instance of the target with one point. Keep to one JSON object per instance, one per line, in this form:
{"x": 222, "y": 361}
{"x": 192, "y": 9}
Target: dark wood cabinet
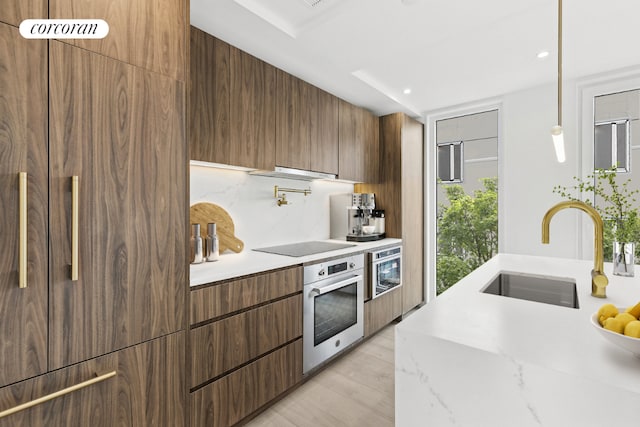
{"x": 324, "y": 140}
{"x": 23, "y": 149}
{"x": 209, "y": 99}
{"x": 13, "y": 12}
{"x": 106, "y": 129}
{"x": 231, "y": 398}
{"x": 359, "y": 144}
{"x": 232, "y": 99}
{"x": 212, "y": 302}
{"x": 253, "y": 112}
{"x": 401, "y": 194}
{"x": 245, "y": 112}
{"x": 306, "y": 126}
{"x": 142, "y": 385}
{"x": 243, "y": 337}
{"x": 294, "y": 121}
{"x": 245, "y": 344}
{"x": 122, "y": 134}
{"x": 150, "y": 34}
{"x": 381, "y": 311}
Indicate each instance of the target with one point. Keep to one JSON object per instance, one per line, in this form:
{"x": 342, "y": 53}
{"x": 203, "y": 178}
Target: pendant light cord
{"x": 559, "y": 62}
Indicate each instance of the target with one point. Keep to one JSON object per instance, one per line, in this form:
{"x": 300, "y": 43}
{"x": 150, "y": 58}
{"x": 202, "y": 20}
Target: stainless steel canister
{"x": 197, "y": 253}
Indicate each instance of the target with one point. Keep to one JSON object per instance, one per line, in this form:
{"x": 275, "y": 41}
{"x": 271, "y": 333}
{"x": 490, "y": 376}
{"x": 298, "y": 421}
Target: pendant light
{"x": 556, "y": 132}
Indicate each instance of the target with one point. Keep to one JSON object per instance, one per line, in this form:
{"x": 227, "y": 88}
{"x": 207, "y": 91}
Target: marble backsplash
{"x": 258, "y": 220}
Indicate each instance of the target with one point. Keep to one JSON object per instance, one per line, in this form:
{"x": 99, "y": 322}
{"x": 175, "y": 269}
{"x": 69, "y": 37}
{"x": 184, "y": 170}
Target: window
{"x": 450, "y": 161}
{"x": 611, "y": 141}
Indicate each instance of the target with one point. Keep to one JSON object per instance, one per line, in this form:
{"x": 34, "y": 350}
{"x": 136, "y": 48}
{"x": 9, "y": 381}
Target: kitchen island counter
{"x": 475, "y": 359}
{"x": 232, "y": 265}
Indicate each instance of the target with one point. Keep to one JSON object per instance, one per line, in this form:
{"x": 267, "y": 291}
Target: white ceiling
{"x": 448, "y": 52}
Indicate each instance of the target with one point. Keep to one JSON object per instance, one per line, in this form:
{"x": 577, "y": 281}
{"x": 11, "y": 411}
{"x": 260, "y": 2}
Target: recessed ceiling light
{"x": 407, "y": 91}
{"x": 543, "y": 54}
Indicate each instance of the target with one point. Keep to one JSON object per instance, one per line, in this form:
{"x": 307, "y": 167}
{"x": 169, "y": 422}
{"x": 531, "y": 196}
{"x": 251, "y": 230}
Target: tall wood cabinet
{"x": 100, "y": 138}
{"x": 15, "y": 11}
{"x": 122, "y": 135}
{"x": 23, "y": 149}
{"x": 400, "y": 193}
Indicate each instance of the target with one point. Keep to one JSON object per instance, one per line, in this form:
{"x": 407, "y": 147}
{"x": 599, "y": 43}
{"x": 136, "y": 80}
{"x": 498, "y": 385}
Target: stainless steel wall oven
{"x": 333, "y": 308}
{"x": 386, "y": 270}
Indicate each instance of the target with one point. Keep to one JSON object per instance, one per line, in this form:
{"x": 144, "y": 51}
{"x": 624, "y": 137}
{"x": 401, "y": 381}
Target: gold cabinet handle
{"x": 22, "y": 254}
{"x": 56, "y": 394}
{"x": 74, "y": 228}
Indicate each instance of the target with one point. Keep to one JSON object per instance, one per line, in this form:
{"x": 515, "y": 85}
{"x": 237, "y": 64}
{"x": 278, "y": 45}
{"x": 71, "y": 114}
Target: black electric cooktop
{"x": 304, "y": 248}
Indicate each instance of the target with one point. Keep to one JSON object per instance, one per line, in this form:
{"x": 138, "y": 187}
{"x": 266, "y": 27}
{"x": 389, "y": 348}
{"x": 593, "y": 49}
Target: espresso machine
{"x": 362, "y": 225}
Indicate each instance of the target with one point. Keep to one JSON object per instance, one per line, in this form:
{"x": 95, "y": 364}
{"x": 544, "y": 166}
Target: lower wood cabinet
{"x": 245, "y": 344}
{"x": 231, "y": 398}
{"x": 380, "y": 311}
{"x": 143, "y": 385}
{"x": 221, "y": 346}
{"x": 223, "y": 298}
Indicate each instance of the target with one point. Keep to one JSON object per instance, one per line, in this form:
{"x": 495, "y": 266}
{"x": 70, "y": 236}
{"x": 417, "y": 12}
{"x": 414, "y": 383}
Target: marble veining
{"x": 466, "y": 359}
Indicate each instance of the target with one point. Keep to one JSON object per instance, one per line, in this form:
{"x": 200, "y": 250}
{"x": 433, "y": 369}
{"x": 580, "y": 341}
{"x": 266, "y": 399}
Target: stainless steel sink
{"x": 557, "y": 291}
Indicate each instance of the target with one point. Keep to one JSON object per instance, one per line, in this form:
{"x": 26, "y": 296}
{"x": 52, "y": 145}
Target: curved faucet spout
{"x": 599, "y": 280}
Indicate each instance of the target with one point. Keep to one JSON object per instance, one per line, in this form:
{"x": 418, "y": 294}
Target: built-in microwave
{"x": 385, "y": 273}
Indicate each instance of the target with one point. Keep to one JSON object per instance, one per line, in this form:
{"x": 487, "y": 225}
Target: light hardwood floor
{"x": 355, "y": 390}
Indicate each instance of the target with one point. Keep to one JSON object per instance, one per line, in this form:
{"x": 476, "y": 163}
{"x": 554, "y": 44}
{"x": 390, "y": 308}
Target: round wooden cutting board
{"x": 204, "y": 213}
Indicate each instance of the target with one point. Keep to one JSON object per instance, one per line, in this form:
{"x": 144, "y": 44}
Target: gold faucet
{"x": 599, "y": 281}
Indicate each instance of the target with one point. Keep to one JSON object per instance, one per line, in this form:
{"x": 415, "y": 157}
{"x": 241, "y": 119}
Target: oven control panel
{"x": 326, "y": 269}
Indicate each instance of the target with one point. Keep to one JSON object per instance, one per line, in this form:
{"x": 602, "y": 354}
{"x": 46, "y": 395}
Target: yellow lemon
{"x": 607, "y": 311}
{"x": 614, "y": 325}
{"x": 633, "y": 329}
{"x": 634, "y": 311}
{"x": 625, "y": 318}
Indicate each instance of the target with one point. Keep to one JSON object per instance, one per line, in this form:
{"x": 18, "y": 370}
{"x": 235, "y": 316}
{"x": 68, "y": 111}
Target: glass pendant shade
{"x": 558, "y": 143}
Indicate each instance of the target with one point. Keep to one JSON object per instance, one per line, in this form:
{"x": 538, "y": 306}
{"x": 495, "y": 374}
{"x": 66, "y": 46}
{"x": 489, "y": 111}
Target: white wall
{"x": 531, "y": 171}
{"x": 258, "y": 220}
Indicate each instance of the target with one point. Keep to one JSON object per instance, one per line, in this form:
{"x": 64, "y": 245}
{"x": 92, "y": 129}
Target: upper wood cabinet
{"x": 253, "y": 111}
{"x": 359, "y": 144}
{"x": 150, "y": 34}
{"x": 325, "y": 138}
{"x": 13, "y": 12}
{"x": 120, "y": 130}
{"x": 23, "y": 149}
{"x": 307, "y": 126}
{"x": 231, "y": 105}
{"x": 209, "y": 99}
{"x": 295, "y": 121}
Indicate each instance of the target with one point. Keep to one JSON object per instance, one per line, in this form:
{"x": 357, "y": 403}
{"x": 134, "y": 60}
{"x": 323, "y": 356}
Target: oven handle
{"x": 333, "y": 287}
{"x": 380, "y": 261}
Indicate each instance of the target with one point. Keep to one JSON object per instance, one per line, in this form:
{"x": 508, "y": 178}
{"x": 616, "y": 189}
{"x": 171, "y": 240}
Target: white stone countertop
{"x": 475, "y": 359}
{"x": 249, "y": 261}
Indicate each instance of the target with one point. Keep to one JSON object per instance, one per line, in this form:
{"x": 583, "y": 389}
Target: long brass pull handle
{"x": 57, "y": 394}
{"x": 74, "y": 228}
{"x": 22, "y": 251}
